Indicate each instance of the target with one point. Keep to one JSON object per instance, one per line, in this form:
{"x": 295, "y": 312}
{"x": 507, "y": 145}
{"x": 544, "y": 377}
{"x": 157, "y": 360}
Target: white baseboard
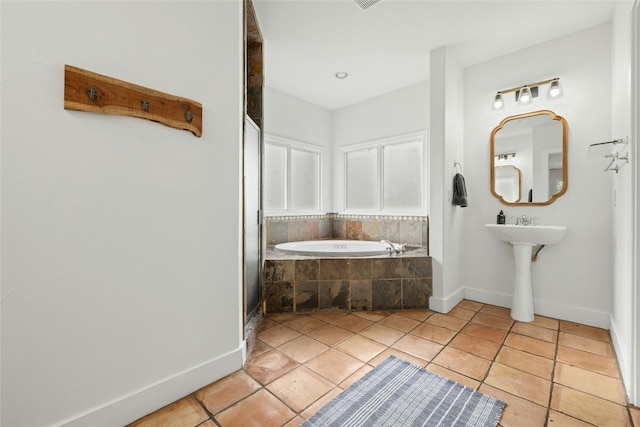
{"x": 445, "y": 305}
{"x": 128, "y": 408}
{"x": 622, "y": 351}
{"x": 544, "y": 308}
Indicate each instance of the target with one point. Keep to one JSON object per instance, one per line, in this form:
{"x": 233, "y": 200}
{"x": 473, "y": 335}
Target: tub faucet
{"x": 393, "y": 248}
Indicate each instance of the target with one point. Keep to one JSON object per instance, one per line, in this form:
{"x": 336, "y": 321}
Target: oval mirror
{"x": 529, "y": 159}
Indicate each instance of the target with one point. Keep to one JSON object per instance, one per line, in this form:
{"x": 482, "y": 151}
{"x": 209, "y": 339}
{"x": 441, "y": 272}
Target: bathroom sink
{"x": 528, "y": 234}
{"x": 524, "y": 238}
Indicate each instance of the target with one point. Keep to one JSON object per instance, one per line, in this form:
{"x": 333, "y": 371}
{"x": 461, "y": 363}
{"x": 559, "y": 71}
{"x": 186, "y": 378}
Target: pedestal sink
{"x": 524, "y": 238}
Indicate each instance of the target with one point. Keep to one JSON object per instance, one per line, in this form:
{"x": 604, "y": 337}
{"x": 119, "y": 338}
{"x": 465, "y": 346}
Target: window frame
{"x": 378, "y": 145}
{"x": 291, "y": 144}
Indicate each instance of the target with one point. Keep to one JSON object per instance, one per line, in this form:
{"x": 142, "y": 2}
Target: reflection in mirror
{"x": 507, "y": 183}
{"x": 535, "y": 145}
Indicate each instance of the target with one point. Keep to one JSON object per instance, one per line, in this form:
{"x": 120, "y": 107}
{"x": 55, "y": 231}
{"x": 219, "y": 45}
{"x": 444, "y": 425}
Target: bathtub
{"x": 334, "y": 248}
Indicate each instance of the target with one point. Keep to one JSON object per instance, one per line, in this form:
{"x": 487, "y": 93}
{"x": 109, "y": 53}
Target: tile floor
{"x": 549, "y": 372}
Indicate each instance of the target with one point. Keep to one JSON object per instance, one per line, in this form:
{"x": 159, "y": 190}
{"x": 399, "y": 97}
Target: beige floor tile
{"x": 277, "y": 335}
{"x": 302, "y": 349}
{"x": 373, "y": 316}
{"x": 334, "y": 365}
{"x": 497, "y": 311}
{"x": 585, "y": 331}
{"x": 531, "y": 345}
{"x": 261, "y": 409}
{"x": 361, "y": 348}
{"x": 526, "y": 362}
{"x": 318, "y": 404}
{"x": 485, "y": 332}
{"x": 590, "y": 382}
{"x": 589, "y": 345}
{"x": 355, "y": 376}
{"x": 401, "y": 323}
{"x": 300, "y": 388}
{"x": 462, "y": 313}
{"x": 518, "y": 412}
{"x": 556, "y": 419}
{"x": 266, "y": 323}
{"x": 419, "y": 315}
{"x": 475, "y": 345}
{"x": 470, "y": 305}
{"x": 339, "y": 348}
{"x": 296, "y": 422}
{"x": 269, "y": 366}
{"x": 586, "y": 407}
{"x": 383, "y": 334}
{"x": 185, "y": 412}
{"x": 433, "y": 333}
{"x": 305, "y": 324}
{"x": 353, "y": 323}
{"x": 493, "y": 321}
{"x": 519, "y": 383}
{"x": 281, "y": 317}
{"x": 329, "y": 316}
{"x": 257, "y": 348}
{"x": 445, "y": 321}
{"x": 399, "y": 354}
{"x": 462, "y": 362}
{"x": 546, "y": 322}
{"x": 635, "y": 415}
{"x": 592, "y": 362}
{"x": 534, "y": 331}
{"x": 330, "y": 334}
{"x": 227, "y": 391}
{"x": 452, "y": 375}
{"x": 418, "y": 347}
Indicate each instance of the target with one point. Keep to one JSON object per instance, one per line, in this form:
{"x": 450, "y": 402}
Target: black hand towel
{"x": 459, "y": 191}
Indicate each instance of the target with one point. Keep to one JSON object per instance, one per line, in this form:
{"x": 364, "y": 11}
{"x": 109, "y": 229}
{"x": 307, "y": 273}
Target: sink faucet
{"x": 522, "y": 220}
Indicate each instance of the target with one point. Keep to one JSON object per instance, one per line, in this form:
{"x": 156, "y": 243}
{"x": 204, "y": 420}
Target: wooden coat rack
{"x": 88, "y": 91}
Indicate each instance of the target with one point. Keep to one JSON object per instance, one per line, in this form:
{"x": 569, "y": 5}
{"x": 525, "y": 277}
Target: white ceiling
{"x": 386, "y": 47}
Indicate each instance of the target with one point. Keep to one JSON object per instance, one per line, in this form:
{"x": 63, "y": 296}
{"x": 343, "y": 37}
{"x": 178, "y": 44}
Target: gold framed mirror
{"x": 529, "y": 159}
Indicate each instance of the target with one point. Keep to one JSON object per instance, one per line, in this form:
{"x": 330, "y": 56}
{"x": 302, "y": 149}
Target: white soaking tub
{"x": 335, "y": 248}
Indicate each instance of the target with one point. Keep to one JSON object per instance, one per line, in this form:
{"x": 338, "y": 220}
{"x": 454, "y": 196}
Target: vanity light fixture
{"x": 506, "y": 156}
{"x": 524, "y": 94}
{"x": 341, "y": 75}
{"x": 555, "y": 90}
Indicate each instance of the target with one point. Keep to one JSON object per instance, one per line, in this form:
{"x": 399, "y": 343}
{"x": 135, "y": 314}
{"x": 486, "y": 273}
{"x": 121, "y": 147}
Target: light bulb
{"x": 525, "y": 95}
{"x": 498, "y": 103}
{"x": 554, "y": 89}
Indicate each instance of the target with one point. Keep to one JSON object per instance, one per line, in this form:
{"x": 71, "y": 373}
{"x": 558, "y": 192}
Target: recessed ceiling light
{"x": 341, "y": 75}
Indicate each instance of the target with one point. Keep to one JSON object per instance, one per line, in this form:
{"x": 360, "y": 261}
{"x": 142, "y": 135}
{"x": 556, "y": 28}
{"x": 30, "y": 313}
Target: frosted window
{"x": 275, "y": 177}
{"x": 305, "y": 179}
{"x": 402, "y": 176}
{"x": 386, "y": 176}
{"x": 362, "y": 182}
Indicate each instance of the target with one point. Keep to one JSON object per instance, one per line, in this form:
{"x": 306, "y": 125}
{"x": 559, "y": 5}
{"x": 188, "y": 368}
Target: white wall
{"x": 445, "y": 220}
{"x": 624, "y": 210}
{"x": 572, "y": 280}
{"x": 403, "y": 111}
{"x": 290, "y": 117}
{"x": 117, "y": 297}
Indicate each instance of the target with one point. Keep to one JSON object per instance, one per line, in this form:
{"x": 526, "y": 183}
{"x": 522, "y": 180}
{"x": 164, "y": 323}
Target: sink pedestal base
{"x": 522, "y": 305}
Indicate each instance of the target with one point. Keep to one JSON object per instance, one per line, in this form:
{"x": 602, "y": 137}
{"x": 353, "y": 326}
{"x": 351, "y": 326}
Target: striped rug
{"x": 398, "y": 393}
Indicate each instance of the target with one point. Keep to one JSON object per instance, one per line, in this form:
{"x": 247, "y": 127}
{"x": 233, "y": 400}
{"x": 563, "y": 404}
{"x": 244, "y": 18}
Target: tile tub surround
{"x": 409, "y": 230}
{"x": 294, "y": 283}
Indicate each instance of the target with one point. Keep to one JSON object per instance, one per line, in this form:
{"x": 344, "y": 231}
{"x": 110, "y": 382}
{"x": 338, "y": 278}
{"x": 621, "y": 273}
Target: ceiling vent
{"x": 365, "y": 4}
